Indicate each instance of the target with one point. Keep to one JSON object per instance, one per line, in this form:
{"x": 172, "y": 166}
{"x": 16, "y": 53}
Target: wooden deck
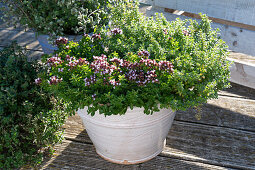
{"x": 219, "y": 136}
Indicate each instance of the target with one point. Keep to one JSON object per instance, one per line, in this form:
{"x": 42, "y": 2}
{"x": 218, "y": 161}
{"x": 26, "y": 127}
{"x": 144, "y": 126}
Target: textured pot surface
{"x": 49, "y": 48}
{"x": 131, "y": 138}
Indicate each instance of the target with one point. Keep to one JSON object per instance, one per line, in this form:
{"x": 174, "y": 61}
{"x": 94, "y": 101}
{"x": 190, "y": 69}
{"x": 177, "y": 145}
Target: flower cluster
{"x": 60, "y": 69}
{"x": 61, "y": 41}
{"x": 148, "y": 62}
{"x": 96, "y": 36}
{"x": 38, "y": 81}
{"x": 141, "y": 78}
{"x": 115, "y": 83}
{"x": 116, "y": 31}
{"x": 100, "y": 65}
{"x": 53, "y": 61}
{"x": 165, "y": 31}
{"x": 144, "y": 53}
{"x": 141, "y": 72}
{"x": 54, "y": 80}
{"x": 117, "y": 61}
{"x": 137, "y": 74}
{"x": 186, "y": 33}
{"x": 90, "y": 80}
{"x": 73, "y": 62}
{"x": 166, "y": 66}
{"x": 93, "y": 96}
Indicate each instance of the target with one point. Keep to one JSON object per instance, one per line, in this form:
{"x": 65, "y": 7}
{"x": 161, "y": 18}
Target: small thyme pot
{"x": 51, "y": 19}
{"x": 126, "y": 81}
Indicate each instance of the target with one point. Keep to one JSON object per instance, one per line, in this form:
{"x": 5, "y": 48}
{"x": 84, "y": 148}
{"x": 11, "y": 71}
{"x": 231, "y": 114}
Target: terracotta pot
{"x": 131, "y": 138}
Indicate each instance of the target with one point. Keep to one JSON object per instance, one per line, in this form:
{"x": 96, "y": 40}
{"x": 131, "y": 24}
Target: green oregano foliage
{"x": 140, "y": 62}
{"x": 30, "y": 117}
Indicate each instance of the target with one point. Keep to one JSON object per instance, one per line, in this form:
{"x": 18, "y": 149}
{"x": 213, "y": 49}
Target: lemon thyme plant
{"x": 140, "y": 62}
{"x": 57, "y": 17}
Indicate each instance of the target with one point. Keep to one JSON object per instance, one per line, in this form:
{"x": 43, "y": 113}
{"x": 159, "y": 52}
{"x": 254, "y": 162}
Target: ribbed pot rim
{"x": 134, "y": 125}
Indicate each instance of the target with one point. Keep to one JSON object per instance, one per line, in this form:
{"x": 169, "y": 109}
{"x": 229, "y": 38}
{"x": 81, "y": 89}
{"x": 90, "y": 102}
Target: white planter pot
{"x": 49, "y": 48}
{"x": 131, "y": 138}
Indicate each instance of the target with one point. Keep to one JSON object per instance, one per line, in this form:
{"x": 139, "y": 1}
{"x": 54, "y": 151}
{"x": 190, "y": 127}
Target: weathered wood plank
{"x": 143, "y": 6}
{"x": 26, "y": 39}
{"x": 237, "y": 11}
{"x": 242, "y": 69}
{"x": 76, "y": 155}
{"x": 243, "y": 74}
{"x": 225, "y": 111}
{"x": 4, "y": 25}
{"x": 210, "y": 144}
{"x": 196, "y": 142}
{"x": 242, "y": 58}
{"x": 215, "y": 20}
{"x": 239, "y": 91}
{"x": 239, "y": 40}
{"x": 148, "y": 2}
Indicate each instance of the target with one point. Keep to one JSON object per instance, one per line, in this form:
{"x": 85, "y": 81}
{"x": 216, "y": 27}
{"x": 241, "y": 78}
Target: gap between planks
{"x": 227, "y": 96}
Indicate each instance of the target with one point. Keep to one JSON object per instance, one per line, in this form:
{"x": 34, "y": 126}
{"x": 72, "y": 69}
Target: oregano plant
{"x": 140, "y": 62}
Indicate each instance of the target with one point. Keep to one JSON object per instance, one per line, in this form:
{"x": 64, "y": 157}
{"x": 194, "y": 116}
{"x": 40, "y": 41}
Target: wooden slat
{"x": 239, "y": 91}
{"x": 242, "y": 58}
{"x": 225, "y": 111}
{"x": 26, "y": 39}
{"x": 238, "y": 39}
{"x": 76, "y": 155}
{"x": 236, "y": 11}
{"x": 243, "y": 74}
{"x": 216, "y": 20}
{"x": 210, "y": 144}
{"x": 147, "y": 2}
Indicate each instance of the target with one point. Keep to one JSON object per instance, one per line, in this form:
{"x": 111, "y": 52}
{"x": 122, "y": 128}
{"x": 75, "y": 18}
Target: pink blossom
{"x": 38, "y": 81}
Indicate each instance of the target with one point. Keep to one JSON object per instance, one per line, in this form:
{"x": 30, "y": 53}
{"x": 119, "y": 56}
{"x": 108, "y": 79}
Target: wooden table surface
{"x": 219, "y": 136}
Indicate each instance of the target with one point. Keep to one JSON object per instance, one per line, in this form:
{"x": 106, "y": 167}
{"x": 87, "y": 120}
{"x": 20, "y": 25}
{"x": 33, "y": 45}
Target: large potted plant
{"x": 126, "y": 81}
{"x": 53, "y": 19}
